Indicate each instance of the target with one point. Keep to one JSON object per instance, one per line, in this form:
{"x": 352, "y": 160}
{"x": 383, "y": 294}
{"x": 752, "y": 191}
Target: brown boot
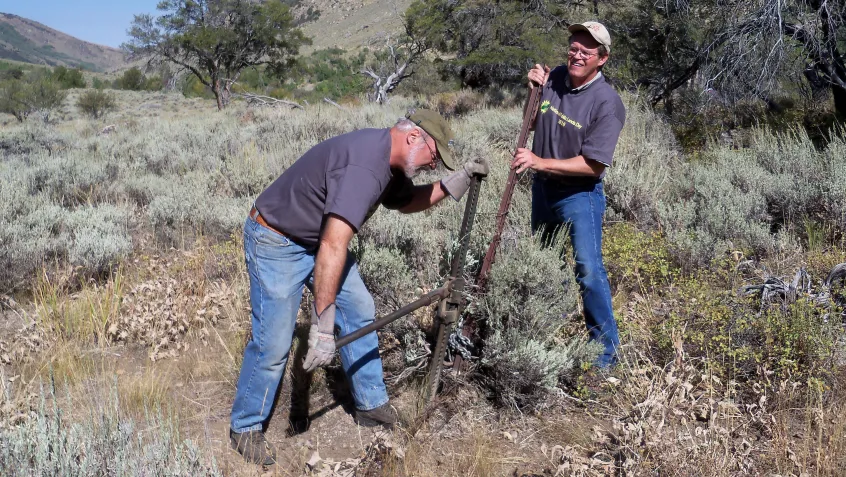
{"x": 253, "y": 447}
{"x": 384, "y": 415}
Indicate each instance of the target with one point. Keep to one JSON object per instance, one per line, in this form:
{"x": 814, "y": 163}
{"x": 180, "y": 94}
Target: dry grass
{"x": 65, "y": 363}
{"x": 143, "y": 393}
{"x": 79, "y": 313}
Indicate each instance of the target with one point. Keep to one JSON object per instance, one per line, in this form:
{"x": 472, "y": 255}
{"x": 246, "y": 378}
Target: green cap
{"x": 437, "y": 127}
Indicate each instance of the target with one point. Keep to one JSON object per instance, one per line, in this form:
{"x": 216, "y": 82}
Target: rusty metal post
{"x": 502, "y": 213}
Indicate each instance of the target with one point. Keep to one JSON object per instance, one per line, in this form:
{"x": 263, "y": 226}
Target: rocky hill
{"x": 353, "y": 23}
{"x": 25, "y": 40}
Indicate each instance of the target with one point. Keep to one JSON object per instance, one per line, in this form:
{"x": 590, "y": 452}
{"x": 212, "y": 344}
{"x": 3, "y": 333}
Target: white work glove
{"x": 457, "y": 183}
{"x": 321, "y": 338}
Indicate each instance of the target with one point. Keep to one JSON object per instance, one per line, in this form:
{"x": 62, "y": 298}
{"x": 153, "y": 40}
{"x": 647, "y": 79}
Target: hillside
{"x": 25, "y": 40}
{"x": 349, "y": 23}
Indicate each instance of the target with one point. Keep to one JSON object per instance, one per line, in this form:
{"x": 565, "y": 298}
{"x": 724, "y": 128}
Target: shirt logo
{"x": 564, "y": 121}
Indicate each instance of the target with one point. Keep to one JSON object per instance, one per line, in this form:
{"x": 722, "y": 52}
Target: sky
{"x": 98, "y": 21}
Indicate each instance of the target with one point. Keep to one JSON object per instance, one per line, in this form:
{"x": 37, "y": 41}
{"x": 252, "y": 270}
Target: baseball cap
{"x": 597, "y": 31}
{"x": 437, "y": 127}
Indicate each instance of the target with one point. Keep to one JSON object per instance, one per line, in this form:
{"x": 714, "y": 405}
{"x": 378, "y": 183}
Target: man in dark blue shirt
{"x": 297, "y": 236}
{"x": 576, "y": 128}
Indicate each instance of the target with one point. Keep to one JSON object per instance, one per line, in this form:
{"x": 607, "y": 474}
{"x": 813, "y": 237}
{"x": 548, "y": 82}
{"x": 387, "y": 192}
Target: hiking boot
{"x": 253, "y": 447}
{"x": 384, "y": 415}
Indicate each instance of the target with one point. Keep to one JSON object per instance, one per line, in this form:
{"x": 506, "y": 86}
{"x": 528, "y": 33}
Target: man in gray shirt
{"x": 576, "y": 128}
{"x": 297, "y": 236}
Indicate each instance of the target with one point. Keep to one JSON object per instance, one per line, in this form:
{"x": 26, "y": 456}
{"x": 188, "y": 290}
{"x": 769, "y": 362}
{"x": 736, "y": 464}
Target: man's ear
{"x": 412, "y": 135}
{"x": 602, "y": 60}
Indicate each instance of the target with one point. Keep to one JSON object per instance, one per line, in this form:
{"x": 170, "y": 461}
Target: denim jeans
{"x": 279, "y": 269}
{"x": 580, "y": 209}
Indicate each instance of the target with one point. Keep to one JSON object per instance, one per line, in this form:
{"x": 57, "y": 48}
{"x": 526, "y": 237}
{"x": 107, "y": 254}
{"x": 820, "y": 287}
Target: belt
{"x": 566, "y": 181}
{"x": 255, "y": 215}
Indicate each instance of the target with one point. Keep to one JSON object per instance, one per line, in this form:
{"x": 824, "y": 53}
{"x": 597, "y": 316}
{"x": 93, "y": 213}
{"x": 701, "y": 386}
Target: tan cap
{"x": 437, "y": 127}
{"x": 597, "y": 31}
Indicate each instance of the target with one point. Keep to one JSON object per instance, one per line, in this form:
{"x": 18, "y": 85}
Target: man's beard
{"x": 410, "y": 170}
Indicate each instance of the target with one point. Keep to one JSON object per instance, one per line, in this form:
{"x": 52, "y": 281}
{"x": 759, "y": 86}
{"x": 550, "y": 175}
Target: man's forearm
{"x": 575, "y": 166}
{"x": 328, "y": 268}
{"x": 423, "y": 197}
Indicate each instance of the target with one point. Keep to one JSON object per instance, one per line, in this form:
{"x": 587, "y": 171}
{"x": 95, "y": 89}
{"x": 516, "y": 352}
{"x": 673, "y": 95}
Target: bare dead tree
{"x": 741, "y": 48}
{"x": 394, "y": 63}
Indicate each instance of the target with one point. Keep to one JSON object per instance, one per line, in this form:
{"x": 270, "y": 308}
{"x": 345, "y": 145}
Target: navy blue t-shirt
{"x": 347, "y": 175}
{"x": 574, "y": 122}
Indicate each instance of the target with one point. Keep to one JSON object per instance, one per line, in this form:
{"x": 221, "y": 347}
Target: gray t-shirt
{"x": 347, "y": 175}
{"x": 573, "y": 122}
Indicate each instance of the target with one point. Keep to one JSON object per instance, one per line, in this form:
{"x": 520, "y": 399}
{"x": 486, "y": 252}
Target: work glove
{"x": 457, "y": 183}
{"x": 321, "y": 338}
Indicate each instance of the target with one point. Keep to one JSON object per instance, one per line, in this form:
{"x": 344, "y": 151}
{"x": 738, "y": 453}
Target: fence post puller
{"x": 449, "y": 296}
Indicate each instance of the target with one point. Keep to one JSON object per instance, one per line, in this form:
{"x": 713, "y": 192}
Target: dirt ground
{"x": 312, "y": 426}
{"x": 314, "y": 432}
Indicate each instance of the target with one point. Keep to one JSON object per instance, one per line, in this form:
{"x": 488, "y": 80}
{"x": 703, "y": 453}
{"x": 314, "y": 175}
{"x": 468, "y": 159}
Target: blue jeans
{"x": 580, "y": 209}
{"x": 279, "y": 269}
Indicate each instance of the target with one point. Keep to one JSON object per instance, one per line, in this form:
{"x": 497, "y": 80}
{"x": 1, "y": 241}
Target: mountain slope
{"x": 25, "y": 40}
{"x": 352, "y": 23}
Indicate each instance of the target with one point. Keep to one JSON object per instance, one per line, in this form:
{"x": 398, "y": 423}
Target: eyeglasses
{"x": 431, "y": 151}
{"x": 586, "y": 55}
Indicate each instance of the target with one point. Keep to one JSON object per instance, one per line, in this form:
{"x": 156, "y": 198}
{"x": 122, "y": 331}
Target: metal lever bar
{"x": 425, "y": 300}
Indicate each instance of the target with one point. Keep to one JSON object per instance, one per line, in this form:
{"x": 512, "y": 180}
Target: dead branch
{"x": 261, "y": 100}
{"x": 327, "y": 100}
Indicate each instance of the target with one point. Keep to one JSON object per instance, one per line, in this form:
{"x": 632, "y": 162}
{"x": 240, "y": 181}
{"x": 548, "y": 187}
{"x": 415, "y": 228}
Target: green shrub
{"x": 35, "y": 231}
{"x": 388, "y": 277}
{"x": 69, "y": 182}
{"x": 636, "y": 260}
{"x": 188, "y": 207}
{"x": 97, "y": 237}
{"x": 14, "y": 99}
{"x": 32, "y": 139}
{"x": 646, "y": 162}
{"x": 11, "y": 73}
{"x": 97, "y": 83}
{"x": 103, "y": 443}
{"x": 524, "y": 373}
{"x": 531, "y": 298}
{"x": 743, "y": 341}
{"x": 21, "y": 98}
{"x": 429, "y": 78}
{"x": 530, "y": 289}
{"x": 68, "y": 78}
{"x": 777, "y": 192}
{"x": 96, "y": 103}
{"x": 132, "y": 79}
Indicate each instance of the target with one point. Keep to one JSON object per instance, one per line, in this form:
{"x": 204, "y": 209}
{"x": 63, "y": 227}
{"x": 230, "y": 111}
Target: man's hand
{"x": 321, "y": 338}
{"x": 457, "y": 183}
{"x": 538, "y": 75}
{"x": 525, "y": 159}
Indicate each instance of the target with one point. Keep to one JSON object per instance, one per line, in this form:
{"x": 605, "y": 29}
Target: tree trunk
{"x": 217, "y": 94}
{"x": 839, "y": 93}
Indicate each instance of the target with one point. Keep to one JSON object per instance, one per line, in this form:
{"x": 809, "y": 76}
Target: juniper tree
{"x": 737, "y": 48}
{"x": 217, "y": 39}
